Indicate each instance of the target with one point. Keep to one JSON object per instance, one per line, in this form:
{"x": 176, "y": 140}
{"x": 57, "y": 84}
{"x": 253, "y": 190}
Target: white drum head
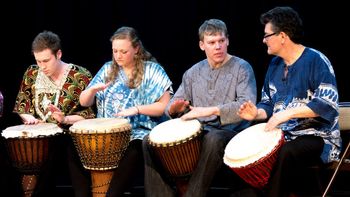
{"x": 31, "y": 131}
{"x": 174, "y": 130}
{"x": 250, "y": 145}
{"x": 100, "y": 125}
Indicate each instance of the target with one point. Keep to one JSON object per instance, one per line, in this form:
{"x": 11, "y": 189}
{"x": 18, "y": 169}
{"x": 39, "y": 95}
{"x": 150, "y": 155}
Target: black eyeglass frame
{"x": 269, "y": 35}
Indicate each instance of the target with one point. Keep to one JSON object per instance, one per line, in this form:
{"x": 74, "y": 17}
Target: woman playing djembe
{"x": 133, "y": 85}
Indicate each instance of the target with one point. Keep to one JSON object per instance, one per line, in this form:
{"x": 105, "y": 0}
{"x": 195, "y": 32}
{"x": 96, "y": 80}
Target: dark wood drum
{"x": 177, "y": 144}
{"x": 29, "y": 147}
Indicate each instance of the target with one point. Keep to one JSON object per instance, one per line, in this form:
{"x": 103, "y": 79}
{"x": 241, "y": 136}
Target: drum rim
{"x": 197, "y": 130}
{"x": 11, "y": 129}
{"x": 123, "y": 127}
{"x": 34, "y": 137}
{"x": 275, "y": 150}
{"x": 229, "y": 161}
{"x": 177, "y": 142}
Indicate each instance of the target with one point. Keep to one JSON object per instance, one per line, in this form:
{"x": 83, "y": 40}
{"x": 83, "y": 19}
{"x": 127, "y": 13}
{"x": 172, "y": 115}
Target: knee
{"x": 145, "y": 142}
{"x": 286, "y": 151}
{"x": 214, "y": 142}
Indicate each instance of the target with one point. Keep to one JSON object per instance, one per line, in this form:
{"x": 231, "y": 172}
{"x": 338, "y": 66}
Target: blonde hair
{"x": 140, "y": 57}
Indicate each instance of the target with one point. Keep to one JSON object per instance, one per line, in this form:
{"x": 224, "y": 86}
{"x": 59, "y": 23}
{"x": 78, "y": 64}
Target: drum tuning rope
{"x": 28, "y": 184}
{"x": 96, "y": 187}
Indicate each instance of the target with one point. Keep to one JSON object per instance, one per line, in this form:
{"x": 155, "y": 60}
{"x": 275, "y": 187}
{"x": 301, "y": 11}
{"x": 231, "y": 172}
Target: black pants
{"x": 130, "y": 167}
{"x": 63, "y": 156}
{"x": 79, "y": 176}
{"x": 294, "y": 155}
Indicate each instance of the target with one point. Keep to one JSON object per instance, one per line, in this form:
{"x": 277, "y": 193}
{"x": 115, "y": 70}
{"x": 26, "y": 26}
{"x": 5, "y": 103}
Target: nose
{"x": 118, "y": 55}
{"x": 41, "y": 65}
{"x": 218, "y": 45}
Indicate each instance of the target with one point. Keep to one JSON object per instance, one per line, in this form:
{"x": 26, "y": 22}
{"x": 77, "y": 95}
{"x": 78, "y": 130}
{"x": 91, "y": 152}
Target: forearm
{"x": 261, "y": 115}
{"x": 155, "y": 109}
{"x": 87, "y": 97}
{"x": 301, "y": 112}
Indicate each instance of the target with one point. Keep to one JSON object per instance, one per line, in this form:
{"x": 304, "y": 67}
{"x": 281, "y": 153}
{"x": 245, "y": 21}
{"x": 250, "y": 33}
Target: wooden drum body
{"x": 29, "y": 147}
{"x": 177, "y": 145}
{"x": 252, "y": 153}
{"x": 101, "y": 143}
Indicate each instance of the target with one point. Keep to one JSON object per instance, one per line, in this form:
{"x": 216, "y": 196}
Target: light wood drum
{"x": 101, "y": 143}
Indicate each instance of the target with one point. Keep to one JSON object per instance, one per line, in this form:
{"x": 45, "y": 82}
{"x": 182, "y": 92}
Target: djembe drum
{"x": 252, "y": 153}
{"x": 101, "y": 143}
{"x": 177, "y": 145}
{"x": 29, "y": 147}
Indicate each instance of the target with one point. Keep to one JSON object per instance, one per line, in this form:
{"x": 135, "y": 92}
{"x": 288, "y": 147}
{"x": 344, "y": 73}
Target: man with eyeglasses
{"x": 300, "y": 97}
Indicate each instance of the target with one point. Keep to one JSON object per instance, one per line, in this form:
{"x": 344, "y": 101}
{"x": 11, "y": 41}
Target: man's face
{"x": 47, "y": 61}
{"x": 215, "y": 47}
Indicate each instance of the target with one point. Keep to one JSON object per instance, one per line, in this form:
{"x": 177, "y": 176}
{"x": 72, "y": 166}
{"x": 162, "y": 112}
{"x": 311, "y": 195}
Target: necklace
{"x": 46, "y": 89}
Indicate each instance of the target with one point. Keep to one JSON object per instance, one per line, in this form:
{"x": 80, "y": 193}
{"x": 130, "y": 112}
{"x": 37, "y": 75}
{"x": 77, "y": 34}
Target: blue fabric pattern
{"x": 312, "y": 82}
{"x": 119, "y": 96}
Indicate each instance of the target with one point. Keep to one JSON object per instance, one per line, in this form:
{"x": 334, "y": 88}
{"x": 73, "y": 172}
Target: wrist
{"x": 65, "y": 120}
{"x": 137, "y": 110}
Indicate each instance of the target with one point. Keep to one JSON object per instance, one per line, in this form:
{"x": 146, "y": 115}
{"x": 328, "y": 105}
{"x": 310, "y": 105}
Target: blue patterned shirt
{"x": 119, "y": 96}
{"x": 310, "y": 82}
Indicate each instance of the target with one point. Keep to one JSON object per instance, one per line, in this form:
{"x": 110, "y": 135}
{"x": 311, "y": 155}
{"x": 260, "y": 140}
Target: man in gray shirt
{"x": 211, "y": 91}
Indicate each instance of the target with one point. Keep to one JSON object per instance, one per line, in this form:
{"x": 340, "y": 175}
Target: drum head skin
{"x": 31, "y": 131}
{"x": 100, "y": 125}
{"x": 174, "y": 130}
{"x": 250, "y": 145}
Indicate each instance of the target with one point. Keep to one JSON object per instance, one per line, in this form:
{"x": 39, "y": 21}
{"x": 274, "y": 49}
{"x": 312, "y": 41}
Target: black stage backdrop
{"x": 168, "y": 29}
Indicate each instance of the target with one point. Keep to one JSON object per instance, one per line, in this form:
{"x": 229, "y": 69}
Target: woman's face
{"x": 123, "y": 52}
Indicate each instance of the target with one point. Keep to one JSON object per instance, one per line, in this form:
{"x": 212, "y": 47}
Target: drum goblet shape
{"x": 252, "y": 153}
{"x": 29, "y": 147}
{"x": 101, "y": 143}
{"x": 177, "y": 145}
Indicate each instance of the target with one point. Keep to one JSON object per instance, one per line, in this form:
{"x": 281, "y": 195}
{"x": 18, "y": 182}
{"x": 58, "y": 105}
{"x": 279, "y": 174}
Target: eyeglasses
{"x": 269, "y": 35}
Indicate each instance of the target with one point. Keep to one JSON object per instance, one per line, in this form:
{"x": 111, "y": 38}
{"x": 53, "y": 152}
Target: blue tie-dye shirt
{"x": 310, "y": 81}
{"x": 119, "y": 96}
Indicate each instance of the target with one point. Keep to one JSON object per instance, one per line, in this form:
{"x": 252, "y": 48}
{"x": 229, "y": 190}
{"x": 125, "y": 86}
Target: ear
{"x": 137, "y": 49}
{"x": 59, "y": 54}
{"x": 284, "y": 35}
{"x": 201, "y": 45}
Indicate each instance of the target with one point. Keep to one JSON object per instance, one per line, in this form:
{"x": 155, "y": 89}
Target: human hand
{"x": 56, "y": 113}
{"x": 128, "y": 112}
{"x": 178, "y": 106}
{"x": 101, "y": 86}
{"x": 29, "y": 119}
{"x": 276, "y": 119}
{"x": 248, "y": 111}
{"x": 197, "y": 112}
